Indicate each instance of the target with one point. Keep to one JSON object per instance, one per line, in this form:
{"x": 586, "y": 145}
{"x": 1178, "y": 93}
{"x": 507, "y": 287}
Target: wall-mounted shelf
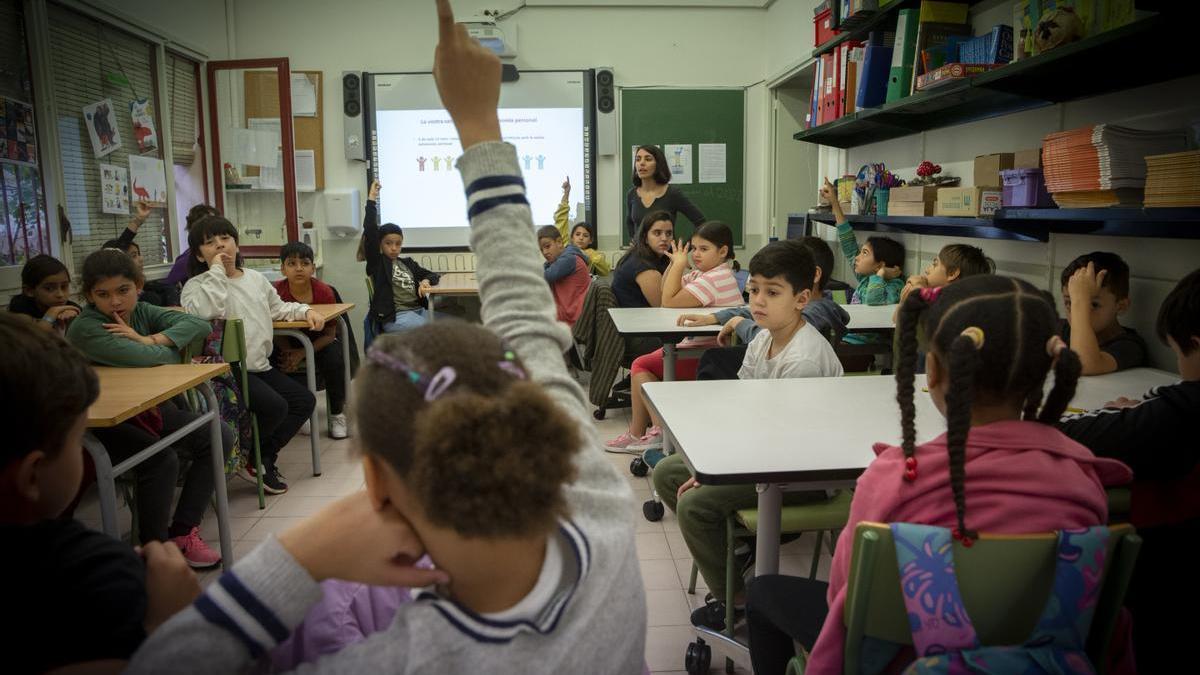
{"x": 859, "y": 26}
{"x": 1097, "y": 65}
{"x": 1031, "y": 224}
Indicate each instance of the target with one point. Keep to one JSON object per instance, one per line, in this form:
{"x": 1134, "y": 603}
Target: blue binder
{"x": 873, "y": 82}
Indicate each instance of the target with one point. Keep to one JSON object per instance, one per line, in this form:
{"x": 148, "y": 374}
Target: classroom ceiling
{"x": 757, "y": 4}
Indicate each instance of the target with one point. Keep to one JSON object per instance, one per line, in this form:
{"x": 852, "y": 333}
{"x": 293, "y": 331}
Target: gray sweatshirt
{"x": 823, "y": 313}
{"x": 596, "y": 620}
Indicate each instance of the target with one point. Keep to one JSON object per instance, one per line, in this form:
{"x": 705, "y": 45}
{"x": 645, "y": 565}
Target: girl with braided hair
{"x": 991, "y": 344}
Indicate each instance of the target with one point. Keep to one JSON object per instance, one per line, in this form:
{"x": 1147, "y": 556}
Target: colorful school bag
{"x": 234, "y": 415}
{"x": 943, "y": 634}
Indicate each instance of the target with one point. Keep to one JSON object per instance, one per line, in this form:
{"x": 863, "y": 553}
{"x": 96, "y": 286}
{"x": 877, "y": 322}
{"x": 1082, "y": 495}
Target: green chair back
{"x": 233, "y": 351}
{"x": 1004, "y": 580}
{"x": 839, "y": 297}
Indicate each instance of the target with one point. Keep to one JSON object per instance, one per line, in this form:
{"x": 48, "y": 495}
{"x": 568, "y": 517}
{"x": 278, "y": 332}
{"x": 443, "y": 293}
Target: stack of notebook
{"x": 1173, "y": 180}
{"x": 1103, "y": 165}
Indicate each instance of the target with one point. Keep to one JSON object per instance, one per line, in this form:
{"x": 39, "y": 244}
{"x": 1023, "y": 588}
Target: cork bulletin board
{"x": 262, "y": 100}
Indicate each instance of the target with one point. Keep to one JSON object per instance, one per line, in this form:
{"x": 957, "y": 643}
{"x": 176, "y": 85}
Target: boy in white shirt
{"x": 782, "y": 279}
{"x": 789, "y": 346}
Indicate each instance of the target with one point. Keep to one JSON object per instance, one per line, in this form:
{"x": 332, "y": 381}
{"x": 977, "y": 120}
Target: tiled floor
{"x": 663, "y": 555}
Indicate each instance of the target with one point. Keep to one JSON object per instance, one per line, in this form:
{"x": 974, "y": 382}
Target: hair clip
{"x": 930, "y": 295}
{"x": 1054, "y": 346}
{"x": 976, "y": 335}
{"x": 510, "y": 366}
{"x": 431, "y": 388}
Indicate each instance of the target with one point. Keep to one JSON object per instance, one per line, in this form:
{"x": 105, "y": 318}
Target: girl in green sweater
{"x": 117, "y": 330}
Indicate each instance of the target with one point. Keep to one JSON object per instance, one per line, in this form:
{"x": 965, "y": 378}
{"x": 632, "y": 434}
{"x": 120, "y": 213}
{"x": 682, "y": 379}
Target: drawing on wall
{"x": 114, "y": 189}
{"x": 18, "y": 142}
{"x": 147, "y": 180}
{"x": 143, "y": 124}
{"x": 102, "y": 127}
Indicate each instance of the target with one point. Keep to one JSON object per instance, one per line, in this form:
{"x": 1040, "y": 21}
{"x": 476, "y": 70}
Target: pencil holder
{"x": 881, "y": 201}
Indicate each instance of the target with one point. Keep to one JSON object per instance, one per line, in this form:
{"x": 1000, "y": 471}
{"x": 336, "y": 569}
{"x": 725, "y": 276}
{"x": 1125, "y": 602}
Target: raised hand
{"x": 468, "y": 80}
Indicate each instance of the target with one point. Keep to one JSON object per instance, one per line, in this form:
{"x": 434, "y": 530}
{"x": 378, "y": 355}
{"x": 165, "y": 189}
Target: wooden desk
{"x": 127, "y": 392}
{"x": 298, "y": 330}
{"x": 454, "y": 284}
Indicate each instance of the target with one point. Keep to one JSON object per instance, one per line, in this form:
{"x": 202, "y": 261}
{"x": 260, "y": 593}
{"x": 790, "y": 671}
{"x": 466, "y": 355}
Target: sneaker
{"x": 652, "y": 440}
{"x": 712, "y": 615}
{"x": 196, "y": 551}
{"x": 621, "y": 443}
{"x": 337, "y": 426}
{"x": 273, "y": 481}
{"x": 246, "y": 472}
{"x": 306, "y": 430}
{"x": 652, "y": 456}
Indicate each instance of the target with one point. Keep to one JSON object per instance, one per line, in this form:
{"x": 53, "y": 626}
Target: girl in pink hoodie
{"x": 992, "y": 341}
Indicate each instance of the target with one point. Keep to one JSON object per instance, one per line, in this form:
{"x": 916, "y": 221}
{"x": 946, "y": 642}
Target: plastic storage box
{"x": 1025, "y": 188}
{"x": 823, "y": 24}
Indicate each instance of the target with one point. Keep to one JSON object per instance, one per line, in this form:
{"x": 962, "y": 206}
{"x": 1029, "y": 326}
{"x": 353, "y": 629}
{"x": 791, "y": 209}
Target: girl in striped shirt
{"x": 710, "y": 284}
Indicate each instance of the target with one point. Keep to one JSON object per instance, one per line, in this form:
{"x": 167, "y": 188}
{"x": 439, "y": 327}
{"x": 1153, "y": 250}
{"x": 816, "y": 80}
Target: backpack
{"x": 943, "y": 635}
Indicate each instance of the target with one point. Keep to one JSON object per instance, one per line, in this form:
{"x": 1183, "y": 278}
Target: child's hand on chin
{"x": 351, "y": 539}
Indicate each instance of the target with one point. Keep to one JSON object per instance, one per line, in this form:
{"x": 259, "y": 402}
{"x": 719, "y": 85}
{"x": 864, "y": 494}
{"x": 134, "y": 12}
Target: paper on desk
{"x": 304, "y": 96}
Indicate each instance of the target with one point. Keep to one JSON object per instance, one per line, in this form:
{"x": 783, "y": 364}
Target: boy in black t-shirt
{"x": 94, "y": 592}
{"x": 1155, "y": 435}
{"x": 1095, "y": 290}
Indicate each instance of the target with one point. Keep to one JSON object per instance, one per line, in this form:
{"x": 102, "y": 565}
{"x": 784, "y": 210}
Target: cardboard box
{"x": 913, "y": 193}
{"x": 910, "y": 208}
{"x": 972, "y": 202}
{"x": 1027, "y": 159}
{"x": 988, "y": 168}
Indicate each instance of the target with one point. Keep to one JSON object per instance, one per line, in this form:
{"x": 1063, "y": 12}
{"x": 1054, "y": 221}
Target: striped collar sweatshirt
{"x": 594, "y": 618}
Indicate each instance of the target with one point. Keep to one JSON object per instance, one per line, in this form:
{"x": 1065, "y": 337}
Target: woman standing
{"x": 652, "y": 191}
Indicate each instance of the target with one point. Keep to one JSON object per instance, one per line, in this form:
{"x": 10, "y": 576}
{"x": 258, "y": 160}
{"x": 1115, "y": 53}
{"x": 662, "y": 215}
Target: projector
{"x": 494, "y": 38}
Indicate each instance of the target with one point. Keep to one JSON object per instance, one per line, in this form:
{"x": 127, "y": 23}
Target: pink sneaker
{"x": 651, "y": 440}
{"x": 196, "y": 551}
{"x": 621, "y": 443}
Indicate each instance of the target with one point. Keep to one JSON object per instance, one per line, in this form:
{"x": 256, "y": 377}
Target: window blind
{"x": 23, "y": 224}
{"x": 91, "y": 62}
{"x": 185, "y": 113}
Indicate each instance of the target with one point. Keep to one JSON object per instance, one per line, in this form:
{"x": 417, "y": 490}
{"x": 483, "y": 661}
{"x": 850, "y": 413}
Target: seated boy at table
{"x": 91, "y": 596}
{"x": 781, "y": 279}
{"x": 566, "y": 270}
{"x": 299, "y": 285}
{"x": 877, "y": 265}
{"x": 1155, "y": 436}
{"x": 154, "y": 291}
{"x": 821, "y": 312}
{"x": 1095, "y": 291}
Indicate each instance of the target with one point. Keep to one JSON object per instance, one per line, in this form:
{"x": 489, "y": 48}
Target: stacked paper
{"x": 1103, "y": 165}
{"x": 1173, "y": 179}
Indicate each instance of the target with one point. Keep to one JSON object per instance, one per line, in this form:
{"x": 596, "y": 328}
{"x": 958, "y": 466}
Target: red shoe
{"x": 196, "y": 551}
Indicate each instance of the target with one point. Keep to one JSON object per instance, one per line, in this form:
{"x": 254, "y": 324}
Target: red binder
{"x": 827, "y": 89}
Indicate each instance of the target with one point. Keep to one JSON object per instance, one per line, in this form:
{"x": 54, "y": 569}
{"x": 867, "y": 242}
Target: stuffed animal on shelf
{"x": 1056, "y": 28}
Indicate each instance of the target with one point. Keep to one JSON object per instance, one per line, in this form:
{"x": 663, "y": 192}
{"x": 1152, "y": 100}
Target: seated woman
{"x": 638, "y": 278}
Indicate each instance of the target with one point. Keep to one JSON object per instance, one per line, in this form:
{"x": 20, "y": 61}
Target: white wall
{"x": 199, "y": 24}
{"x": 789, "y": 35}
{"x": 699, "y": 47}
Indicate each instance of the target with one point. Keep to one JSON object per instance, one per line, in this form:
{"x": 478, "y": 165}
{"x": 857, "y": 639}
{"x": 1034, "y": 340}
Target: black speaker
{"x": 352, "y": 122}
{"x": 606, "y": 94}
{"x": 606, "y": 118}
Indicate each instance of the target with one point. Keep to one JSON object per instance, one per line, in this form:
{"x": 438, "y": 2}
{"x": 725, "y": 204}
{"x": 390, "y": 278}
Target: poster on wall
{"x": 679, "y": 160}
{"x": 114, "y": 189}
{"x": 147, "y": 180}
{"x": 18, "y": 142}
{"x": 102, "y": 127}
{"x": 143, "y": 124}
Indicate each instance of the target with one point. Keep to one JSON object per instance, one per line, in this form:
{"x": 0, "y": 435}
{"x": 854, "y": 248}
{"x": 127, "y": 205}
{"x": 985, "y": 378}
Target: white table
{"x": 662, "y": 323}
{"x": 1094, "y": 391}
{"x": 298, "y": 329}
{"x": 871, "y": 317}
{"x": 765, "y": 445}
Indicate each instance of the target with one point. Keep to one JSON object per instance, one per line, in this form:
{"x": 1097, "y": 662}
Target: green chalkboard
{"x": 690, "y": 116}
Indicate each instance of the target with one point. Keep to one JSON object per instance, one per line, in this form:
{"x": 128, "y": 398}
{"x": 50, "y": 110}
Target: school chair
{"x": 233, "y": 350}
{"x": 1004, "y": 581}
{"x": 829, "y": 516}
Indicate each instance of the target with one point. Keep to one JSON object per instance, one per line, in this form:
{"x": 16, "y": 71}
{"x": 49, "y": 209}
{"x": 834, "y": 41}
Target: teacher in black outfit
{"x": 652, "y": 191}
